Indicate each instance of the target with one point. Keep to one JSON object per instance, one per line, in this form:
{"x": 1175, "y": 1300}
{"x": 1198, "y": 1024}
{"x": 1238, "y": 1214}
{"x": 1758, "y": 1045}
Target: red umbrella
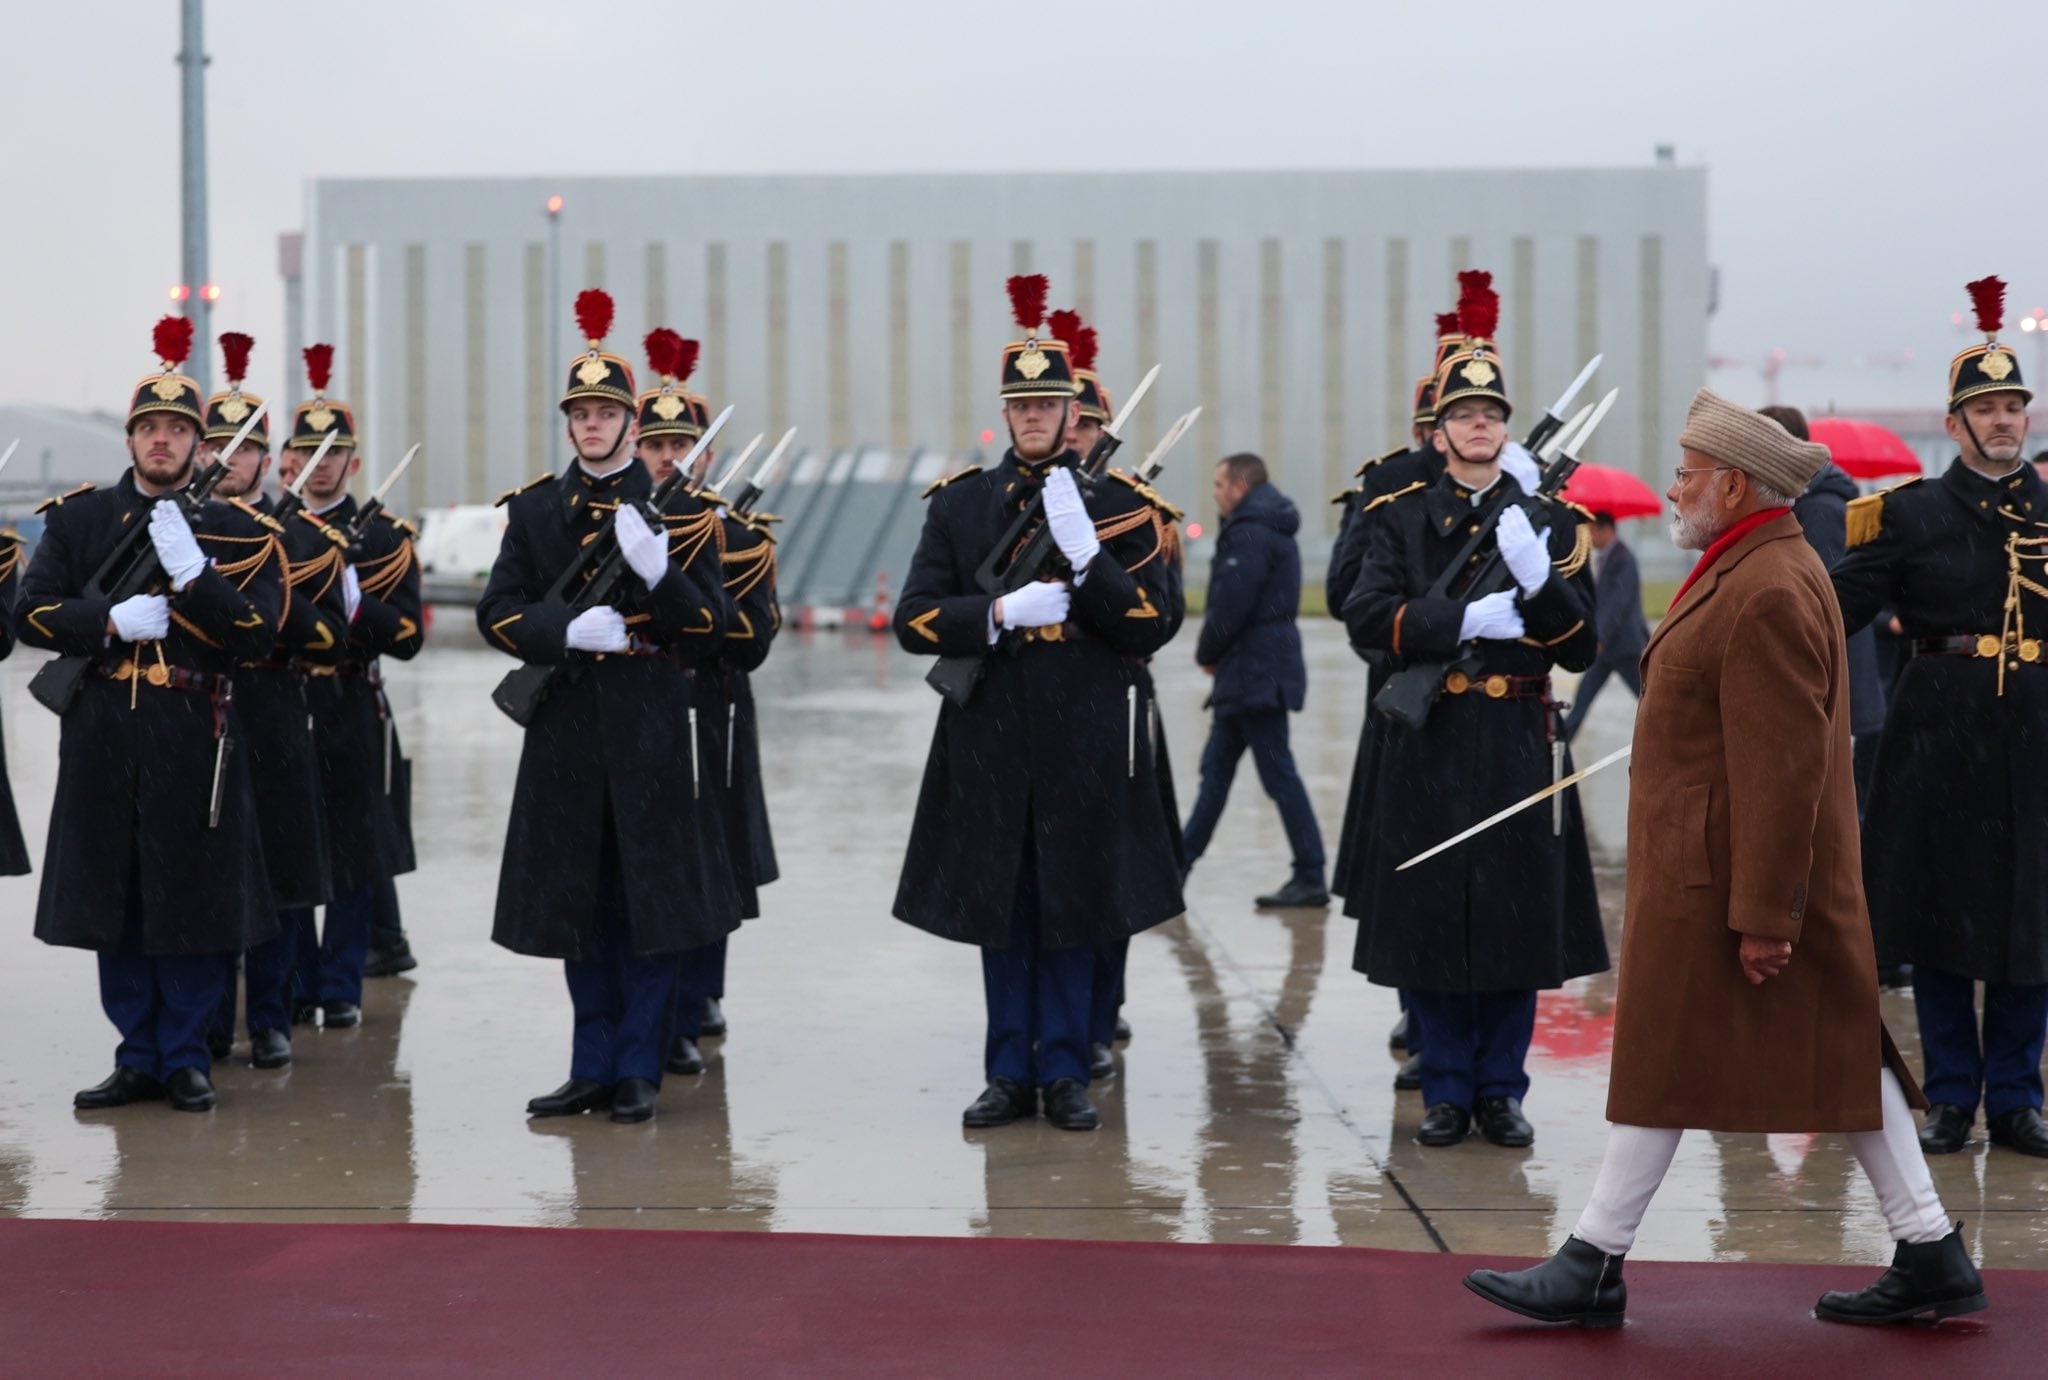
{"x": 1607, "y": 490}
{"x": 1865, "y": 449}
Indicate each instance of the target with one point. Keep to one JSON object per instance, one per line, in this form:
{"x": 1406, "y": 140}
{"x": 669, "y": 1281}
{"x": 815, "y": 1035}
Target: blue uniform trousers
{"x": 161, "y": 1006}
{"x": 267, "y": 973}
{"x": 1038, "y": 999}
{"x": 1264, "y": 731}
{"x": 1107, "y": 997}
{"x": 387, "y": 931}
{"x": 2003, "y": 1070}
{"x": 624, "y": 1001}
{"x": 329, "y": 959}
{"x": 701, "y": 976}
{"x": 1477, "y": 1044}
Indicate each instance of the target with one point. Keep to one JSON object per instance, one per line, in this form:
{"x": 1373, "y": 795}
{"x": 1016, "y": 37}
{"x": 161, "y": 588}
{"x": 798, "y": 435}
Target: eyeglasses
{"x": 1681, "y": 472}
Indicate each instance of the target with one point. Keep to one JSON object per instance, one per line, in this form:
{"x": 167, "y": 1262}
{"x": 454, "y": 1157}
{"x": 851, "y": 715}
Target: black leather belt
{"x": 1498, "y": 687}
{"x": 1986, "y": 646}
{"x": 162, "y": 676}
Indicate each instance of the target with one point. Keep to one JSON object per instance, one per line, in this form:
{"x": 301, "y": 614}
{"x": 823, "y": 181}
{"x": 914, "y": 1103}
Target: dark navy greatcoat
{"x": 13, "y": 848}
{"x": 749, "y": 562}
{"x": 1056, "y": 739}
{"x": 135, "y": 761}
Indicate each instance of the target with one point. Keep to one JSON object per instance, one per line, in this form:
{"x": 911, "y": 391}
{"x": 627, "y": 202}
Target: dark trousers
{"x": 700, "y": 977}
{"x": 1038, "y": 999}
{"x": 1478, "y": 1042}
{"x": 1414, "y": 1021}
{"x": 2004, "y": 1068}
{"x": 1596, "y": 676}
{"x": 1106, "y": 997}
{"x": 1264, "y": 731}
{"x": 387, "y": 931}
{"x": 161, "y": 1006}
{"x": 1863, "y": 762}
{"x": 267, "y": 973}
{"x": 329, "y": 958}
{"x": 624, "y": 1004}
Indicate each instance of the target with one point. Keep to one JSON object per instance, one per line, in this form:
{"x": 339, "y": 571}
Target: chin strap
{"x": 1451, "y": 449}
{"x": 1059, "y": 446}
{"x": 613, "y": 451}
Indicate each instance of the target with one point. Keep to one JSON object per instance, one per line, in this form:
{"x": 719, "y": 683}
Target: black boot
{"x": 633, "y": 1100}
{"x": 1101, "y": 1060}
{"x": 1580, "y": 1284}
{"x": 1935, "y": 1278}
{"x": 269, "y": 1049}
{"x": 684, "y": 1057}
{"x": 1299, "y": 894}
{"x": 1397, "y": 1038}
{"x": 189, "y": 1090}
{"x": 340, "y": 1015}
{"x": 2021, "y": 1129}
{"x": 714, "y": 1019}
{"x": 1004, "y": 1100}
{"x": 1444, "y": 1124}
{"x": 1067, "y": 1106}
{"x": 1408, "y": 1077}
{"x": 1123, "y": 1031}
{"x": 1945, "y": 1131}
{"x": 122, "y": 1086}
{"x": 389, "y": 962}
{"x": 573, "y": 1098}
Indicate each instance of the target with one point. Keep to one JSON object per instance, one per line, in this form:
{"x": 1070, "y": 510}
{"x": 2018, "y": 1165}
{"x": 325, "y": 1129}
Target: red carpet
{"x": 129, "y": 1298}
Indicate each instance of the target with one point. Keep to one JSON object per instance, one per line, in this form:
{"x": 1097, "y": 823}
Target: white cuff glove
{"x": 1517, "y": 462}
{"x": 177, "y": 550}
{"x": 1037, "y": 605}
{"x": 1525, "y": 550}
{"x": 1494, "y": 616}
{"x": 1071, "y": 526}
{"x": 602, "y": 629}
{"x": 644, "y": 550}
{"x": 351, "y": 591}
{"x": 141, "y": 617}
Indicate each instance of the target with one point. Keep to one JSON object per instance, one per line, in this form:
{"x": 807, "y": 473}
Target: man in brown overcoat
{"x": 1746, "y": 945}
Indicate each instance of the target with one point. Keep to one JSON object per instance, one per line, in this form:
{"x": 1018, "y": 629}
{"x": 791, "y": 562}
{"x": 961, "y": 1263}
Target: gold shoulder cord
{"x": 2019, "y": 552}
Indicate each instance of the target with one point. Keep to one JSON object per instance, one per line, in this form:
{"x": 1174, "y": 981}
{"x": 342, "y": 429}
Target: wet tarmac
{"x": 1255, "y": 1103}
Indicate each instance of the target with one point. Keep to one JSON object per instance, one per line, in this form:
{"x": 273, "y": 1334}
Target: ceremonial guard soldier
{"x": 13, "y": 848}
{"x": 1471, "y": 934}
{"x": 614, "y": 856}
{"x": 363, "y": 771}
{"x": 154, "y": 857}
{"x": 1955, "y": 856}
{"x": 270, "y": 692}
{"x": 1040, "y": 831}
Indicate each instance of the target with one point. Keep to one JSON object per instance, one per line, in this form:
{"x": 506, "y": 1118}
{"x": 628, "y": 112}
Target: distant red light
{"x": 211, "y": 292}
{"x": 554, "y": 206}
{"x": 1194, "y": 531}
{"x": 987, "y": 437}
{"x": 180, "y": 292}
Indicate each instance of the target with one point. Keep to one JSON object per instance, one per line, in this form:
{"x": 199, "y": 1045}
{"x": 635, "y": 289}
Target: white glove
{"x": 1526, "y": 551}
{"x": 602, "y": 629}
{"x": 1516, "y": 461}
{"x": 646, "y": 552}
{"x": 1037, "y": 605}
{"x": 1072, "y": 528}
{"x": 141, "y": 617}
{"x": 177, "y": 550}
{"x": 351, "y": 591}
{"x": 1493, "y": 616}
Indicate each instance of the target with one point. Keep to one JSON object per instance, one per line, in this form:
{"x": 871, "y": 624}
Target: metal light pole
{"x": 554, "y": 208}
{"x": 192, "y": 82}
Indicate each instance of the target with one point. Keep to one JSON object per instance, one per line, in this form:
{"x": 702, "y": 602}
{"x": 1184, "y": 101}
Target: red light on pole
{"x": 987, "y": 437}
{"x": 211, "y": 292}
{"x": 554, "y": 205}
{"x": 1194, "y": 531}
{"x": 180, "y": 293}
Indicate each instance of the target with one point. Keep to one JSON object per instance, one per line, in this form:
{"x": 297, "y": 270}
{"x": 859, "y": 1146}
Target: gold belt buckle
{"x": 2030, "y": 649}
{"x": 1988, "y": 646}
{"x": 1496, "y": 687}
{"x": 1457, "y": 683}
{"x": 125, "y": 671}
{"x": 1053, "y": 632}
{"x": 158, "y": 675}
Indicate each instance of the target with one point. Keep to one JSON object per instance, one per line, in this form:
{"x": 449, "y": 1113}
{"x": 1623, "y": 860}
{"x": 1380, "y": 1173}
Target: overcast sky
{"x": 1866, "y": 158}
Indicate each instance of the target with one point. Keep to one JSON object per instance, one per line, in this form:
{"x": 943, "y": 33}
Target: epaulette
{"x": 1381, "y": 459}
{"x": 411, "y": 531}
{"x": 263, "y": 519}
{"x": 510, "y": 494}
{"x": 1398, "y": 493}
{"x": 1581, "y": 509}
{"x": 1866, "y": 514}
{"x": 1148, "y": 493}
{"x": 938, "y": 484}
{"x": 1353, "y": 492}
{"x": 57, "y": 500}
{"x": 326, "y": 528}
{"x": 757, "y": 523}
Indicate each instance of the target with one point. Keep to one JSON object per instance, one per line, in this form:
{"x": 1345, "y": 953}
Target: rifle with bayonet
{"x": 595, "y": 577}
{"x": 129, "y": 569}
{"x": 359, "y": 527}
{"x": 757, "y": 482}
{"x": 1411, "y": 692}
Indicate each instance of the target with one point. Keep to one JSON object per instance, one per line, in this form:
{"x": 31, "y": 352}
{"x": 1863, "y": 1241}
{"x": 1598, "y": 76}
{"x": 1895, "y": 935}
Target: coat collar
{"x": 1449, "y": 503}
{"x": 2021, "y": 493}
{"x": 578, "y": 493}
{"x": 1783, "y": 527}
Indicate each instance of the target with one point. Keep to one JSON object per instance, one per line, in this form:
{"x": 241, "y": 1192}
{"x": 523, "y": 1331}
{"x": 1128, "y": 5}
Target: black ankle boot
{"x": 1936, "y": 1278}
{"x": 1580, "y": 1284}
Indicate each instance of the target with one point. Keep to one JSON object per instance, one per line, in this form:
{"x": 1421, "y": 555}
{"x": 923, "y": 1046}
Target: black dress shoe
{"x": 340, "y": 1015}
{"x": 1946, "y": 1130}
{"x": 633, "y": 1100}
{"x": 1501, "y": 1121}
{"x": 1004, "y": 1100}
{"x": 1067, "y": 1106}
{"x": 2021, "y": 1129}
{"x": 304, "y": 1011}
{"x": 1397, "y": 1038}
{"x": 1935, "y": 1278}
{"x": 1296, "y": 893}
{"x": 190, "y": 1090}
{"x": 1101, "y": 1060}
{"x": 573, "y": 1098}
{"x": 270, "y": 1049}
{"x": 220, "y": 1046}
{"x": 714, "y": 1019}
{"x": 1444, "y": 1124}
{"x": 1580, "y": 1284}
{"x": 1122, "y": 1031}
{"x": 390, "y": 962}
{"x": 1408, "y": 1078}
{"x": 122, "y": 1086}
{"x": 684, "y": 1057}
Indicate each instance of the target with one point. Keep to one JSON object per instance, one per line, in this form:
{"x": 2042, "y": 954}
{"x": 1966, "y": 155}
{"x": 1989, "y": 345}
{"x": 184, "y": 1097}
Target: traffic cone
{"x": 878, "y": 621}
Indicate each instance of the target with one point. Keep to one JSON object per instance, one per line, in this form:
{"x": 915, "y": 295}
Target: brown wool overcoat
{"x": 1742, "y": 820}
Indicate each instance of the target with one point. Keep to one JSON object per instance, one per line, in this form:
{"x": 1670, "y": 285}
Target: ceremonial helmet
{"x": 320, "y": 414}
{"x": 1081, "y": 345}
{"x": 169, "y": 391}
{"x": 597, "y": 374}
{"x": 668, "y": 410}
{"x": 226, "y": 411}
{"x": 1036, "y": 366}
{"x": 1990, "y": 367}
{"x": 1472, "y": 369}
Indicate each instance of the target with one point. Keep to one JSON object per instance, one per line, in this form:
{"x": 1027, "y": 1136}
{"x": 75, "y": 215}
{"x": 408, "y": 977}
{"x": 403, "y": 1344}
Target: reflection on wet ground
{"x": 1255, "y": 1103}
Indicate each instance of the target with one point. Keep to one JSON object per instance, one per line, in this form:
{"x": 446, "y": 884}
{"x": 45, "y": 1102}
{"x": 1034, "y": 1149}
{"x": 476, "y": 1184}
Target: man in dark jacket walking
{"x": 1250, "y": 645}
{"x": 1618, "y": 614}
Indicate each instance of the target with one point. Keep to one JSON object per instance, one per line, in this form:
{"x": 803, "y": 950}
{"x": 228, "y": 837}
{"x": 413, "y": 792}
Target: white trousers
{"x": 1638, "y": 1157}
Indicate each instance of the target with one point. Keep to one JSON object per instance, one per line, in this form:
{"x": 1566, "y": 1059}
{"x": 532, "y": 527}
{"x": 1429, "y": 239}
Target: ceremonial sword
{"x": 1520, "y": 805}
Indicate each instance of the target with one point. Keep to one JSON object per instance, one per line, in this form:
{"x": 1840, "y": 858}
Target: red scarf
{"x": 1721, "y": 544}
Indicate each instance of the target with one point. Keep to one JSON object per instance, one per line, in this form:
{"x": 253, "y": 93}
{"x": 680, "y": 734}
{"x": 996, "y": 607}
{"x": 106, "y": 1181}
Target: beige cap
{"x": 1752, "y": 443}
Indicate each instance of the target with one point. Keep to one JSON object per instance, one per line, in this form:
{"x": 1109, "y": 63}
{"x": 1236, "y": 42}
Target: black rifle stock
{"x": 129, "y": 569}
{"x": 1411, "y": 692}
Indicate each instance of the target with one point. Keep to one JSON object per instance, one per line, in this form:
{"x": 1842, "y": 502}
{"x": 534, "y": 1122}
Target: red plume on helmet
{"x": 173, "y": 341}
{"x": 1064, "y": 325}
{"x": 1987, "y": 298}
{"x": 664, "y": 350}
{"x": 1478, "y": 304}
{"x": 1447, "y": 323}
{"x": 234, "y": 353}
{"x": 1027, "y": 300}
{"x": 319, "y": 366}
{"x": 1084, "y": 347}
{"x": 686, "y": 358}
{"x": 594, "y": 314}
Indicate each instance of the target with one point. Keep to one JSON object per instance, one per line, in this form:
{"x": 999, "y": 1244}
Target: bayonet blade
{"x": 1578, "y": 441}
{"x": 1564, "y": 399}
{"x": 738, "y": 464}
{"x": 298, "y": 489}
{"x": 1548, "y": 450}
{"x": 684, "y": 465}
{"x": 8, "y": 454}
{"x": 1130, "y": 407}
{"x": 1149, "y": 471}
{"x": 247, "y": 427}
{"x": 392, "y": 478}
{"x": 767, "y": 470}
